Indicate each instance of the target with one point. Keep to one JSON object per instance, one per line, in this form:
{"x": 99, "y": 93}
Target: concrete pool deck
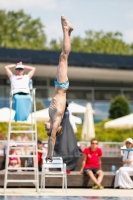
{"x": 70, "y": 192}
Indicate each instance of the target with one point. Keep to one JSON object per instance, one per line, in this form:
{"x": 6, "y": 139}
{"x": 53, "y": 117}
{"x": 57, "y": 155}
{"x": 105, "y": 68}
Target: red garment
{"x": 92, "y": 160}
{"x": 39, "y": 157}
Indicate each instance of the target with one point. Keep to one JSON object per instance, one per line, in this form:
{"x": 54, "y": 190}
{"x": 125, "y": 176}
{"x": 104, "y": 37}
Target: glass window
{"x": 41, "y": 93}
{"x": 127, "y": 85}
{"x": 80, "y": 83}
{"x": 106, "y": 94}
{"x": 39, "y": 82}
{"x": 79, "y": 94}
{"x": 51, "y": 82}
{"x": 2, "y": 92}
{"x": 128, "y": 94}
{"x": 106, "y": 84}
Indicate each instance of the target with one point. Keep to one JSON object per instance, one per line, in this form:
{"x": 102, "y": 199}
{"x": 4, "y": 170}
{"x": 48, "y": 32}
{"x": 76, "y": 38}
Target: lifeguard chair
{"x": 19, "y": 128}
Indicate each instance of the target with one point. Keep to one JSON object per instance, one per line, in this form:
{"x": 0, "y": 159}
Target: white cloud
{"x": 28, "y": 4}
{"x": 53, "y": 30}
{"x": 128, "y": 35}
{"x": 129, "y": 16}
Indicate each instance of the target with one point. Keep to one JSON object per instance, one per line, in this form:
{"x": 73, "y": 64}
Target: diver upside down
{"x": 58, "y": 103}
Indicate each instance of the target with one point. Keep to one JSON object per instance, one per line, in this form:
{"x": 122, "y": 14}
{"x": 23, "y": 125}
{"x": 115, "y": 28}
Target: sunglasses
{"x": 128, "y": 143}
{"x": 94, "y": 143}
{"x": 19, "y": 69}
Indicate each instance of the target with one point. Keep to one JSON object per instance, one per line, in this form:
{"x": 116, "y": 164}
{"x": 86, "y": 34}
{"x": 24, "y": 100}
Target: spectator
{"x": 91, "y": 164}
{"x": 24, "y": 138}
{"x": 20, "y": 89}
{"x": 122, "y": 178}
{"x": 13, "y": 137}
{"x": 14, "y": 162}
{"x": 42, "y": 151}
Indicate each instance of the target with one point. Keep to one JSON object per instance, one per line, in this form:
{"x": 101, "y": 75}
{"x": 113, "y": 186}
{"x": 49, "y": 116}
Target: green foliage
{"x": 98, "y": 42}
{"x": 19, "y": 30}
{"x": 111, "y": 135}
{"x": 101, "y": 42}
{"x": 102, "y": 134}
{"x": 119, "y": 107}
{"x": 54, "y": 45}
{"x": 39, "y": 104}
{"x": 78, "y": 134}
{"x": 40, "y": 130}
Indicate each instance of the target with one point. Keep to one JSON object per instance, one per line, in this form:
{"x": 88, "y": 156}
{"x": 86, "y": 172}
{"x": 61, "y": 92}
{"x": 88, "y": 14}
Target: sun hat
{"x": 39, "y": 141}
{"x": 19, "y": 66}
{"x": 13, "y": 144}
{"x": 129, "y": 140}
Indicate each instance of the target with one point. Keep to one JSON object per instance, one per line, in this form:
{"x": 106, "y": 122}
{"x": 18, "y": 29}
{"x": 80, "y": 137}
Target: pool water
{"x": 63, "y": 198}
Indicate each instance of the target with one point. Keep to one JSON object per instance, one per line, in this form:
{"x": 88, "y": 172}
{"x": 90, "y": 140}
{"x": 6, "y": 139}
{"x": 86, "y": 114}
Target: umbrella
{"x": 88, "y": 131}
{"x": 5, "y": 113}
{"x": 76, "y": 108}
{"x": 125, "y": 122}
{"x": 43, "y": 115}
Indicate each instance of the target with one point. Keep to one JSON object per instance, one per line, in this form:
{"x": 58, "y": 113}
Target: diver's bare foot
{"x": 49, "y": 159}
{"x": 66, "y": 25}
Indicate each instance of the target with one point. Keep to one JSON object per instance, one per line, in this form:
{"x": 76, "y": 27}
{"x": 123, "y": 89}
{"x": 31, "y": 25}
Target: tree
{"x": 119, "y": 107}
{"x": 101, "y": 42}
{"x": 56, "y": 46}
{"x": 98, "y": 42}
{"x": 19, "y": 30}
{"x": 39, "y": 104}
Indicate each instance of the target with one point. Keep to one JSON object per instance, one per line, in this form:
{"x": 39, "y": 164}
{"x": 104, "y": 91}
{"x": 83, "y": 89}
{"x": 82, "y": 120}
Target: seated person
{"x": 122, "y": 178}
{"x": 42, "y": 151}
{"x": 14, "y": 162}
{"x": 92, "y": 164}
{"x": 20, "y": 89}
{"x": 24, "y": 138}
{"x": 13, "y": 137}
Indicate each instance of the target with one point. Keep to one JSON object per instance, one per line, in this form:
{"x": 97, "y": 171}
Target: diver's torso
{"x": 58, "y": 103}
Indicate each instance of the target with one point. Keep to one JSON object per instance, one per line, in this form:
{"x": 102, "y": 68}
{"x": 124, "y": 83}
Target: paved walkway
{"x": 70, "y": 192}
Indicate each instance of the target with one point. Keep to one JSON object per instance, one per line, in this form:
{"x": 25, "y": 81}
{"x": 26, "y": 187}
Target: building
{"x": 94, "y": 78}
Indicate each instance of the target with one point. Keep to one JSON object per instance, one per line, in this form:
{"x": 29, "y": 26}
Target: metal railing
{"x": 110, "y": 149}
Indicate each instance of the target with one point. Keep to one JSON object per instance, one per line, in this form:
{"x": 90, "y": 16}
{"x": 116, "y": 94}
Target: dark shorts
{"x": 94, "y": 170}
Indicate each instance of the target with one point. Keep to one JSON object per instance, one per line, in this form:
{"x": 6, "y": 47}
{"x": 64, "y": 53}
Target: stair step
{"x": 23, "y": 181}
{"x": 23, "y": 143}
{"x": 23, "y": 156}
{"x": 23, "y": 131}
{"x": 23, "y": 168}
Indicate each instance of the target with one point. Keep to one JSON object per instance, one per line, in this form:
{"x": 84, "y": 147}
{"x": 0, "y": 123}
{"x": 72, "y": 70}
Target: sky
{"x": 106, "y": 15}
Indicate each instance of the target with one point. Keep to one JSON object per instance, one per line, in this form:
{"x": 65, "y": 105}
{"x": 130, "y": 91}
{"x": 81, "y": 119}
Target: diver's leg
{"x": 52, "y": 140}
{"x": 61, "y": 73}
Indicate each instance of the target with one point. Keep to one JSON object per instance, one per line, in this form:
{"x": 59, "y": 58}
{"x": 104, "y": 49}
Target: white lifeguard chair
{"x": 30, "y": 128}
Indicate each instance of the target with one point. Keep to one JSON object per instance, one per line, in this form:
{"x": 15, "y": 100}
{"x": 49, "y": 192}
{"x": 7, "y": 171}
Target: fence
{"x": 110, "y": 149}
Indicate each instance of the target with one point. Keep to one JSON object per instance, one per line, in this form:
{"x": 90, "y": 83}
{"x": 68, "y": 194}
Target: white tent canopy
{"x": 43, "y": 115}
{"x": 5, "y": 113}
{"x": 125, "y": 122}
{"x": 75, "y": 108}
{"x": 88, "y": 131}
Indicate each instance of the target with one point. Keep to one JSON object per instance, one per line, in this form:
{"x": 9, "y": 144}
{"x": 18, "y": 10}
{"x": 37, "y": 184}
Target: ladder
{"x": 30, "y": 128}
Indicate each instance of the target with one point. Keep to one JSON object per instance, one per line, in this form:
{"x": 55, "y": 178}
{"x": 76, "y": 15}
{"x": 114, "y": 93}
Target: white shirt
{"x": 20, "y": 83}
{"x": 128, "y": 155}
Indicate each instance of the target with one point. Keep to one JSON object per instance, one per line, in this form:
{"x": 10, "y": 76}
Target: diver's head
{"x": 48, "y": 128}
